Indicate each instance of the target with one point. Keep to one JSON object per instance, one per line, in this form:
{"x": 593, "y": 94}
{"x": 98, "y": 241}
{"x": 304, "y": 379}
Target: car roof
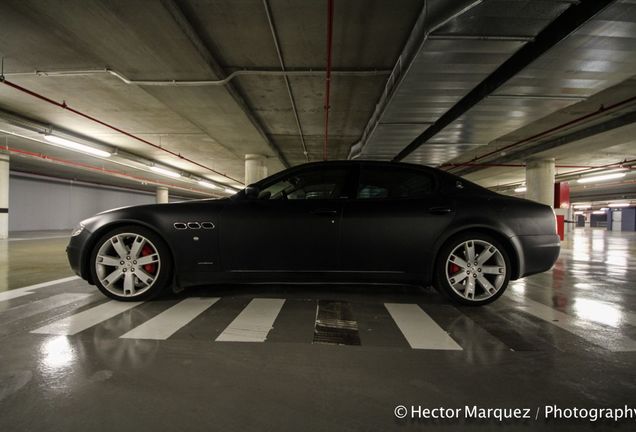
{"x": 365, "y": 162}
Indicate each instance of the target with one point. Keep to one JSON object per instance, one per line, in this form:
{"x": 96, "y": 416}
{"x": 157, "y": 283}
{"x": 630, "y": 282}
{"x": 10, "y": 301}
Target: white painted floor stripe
{"x": 419, "y": 329}
{"x": 171, "y": 320}
{"x": 86, "y": 319}
{"x": 596, "y": 334}
{"x": 29, "y": 309}
{"x": 8, "y": 295}
{"x": 19, "y": 292}
{"x": 254, "y": 322}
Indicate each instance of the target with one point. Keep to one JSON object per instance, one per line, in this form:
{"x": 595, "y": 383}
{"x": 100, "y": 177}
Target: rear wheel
{"x": 131, "y": 263}
{"x": 472, "y": 269}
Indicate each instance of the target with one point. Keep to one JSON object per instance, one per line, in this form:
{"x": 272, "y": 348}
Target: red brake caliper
{"x": 454, "y": 268}
{"x": 145, "y": 251}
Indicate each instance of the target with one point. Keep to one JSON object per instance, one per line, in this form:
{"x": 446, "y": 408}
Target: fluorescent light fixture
{"x": 598, "y": 212}
{"x": 600, "y": 178}
{"x": 581, "y": 206}
{"x": 208, "y": 184}
{"x": 72, "y": 145}
{"x": 604, "y": 208}
{"x": 521, "y": 189}
{"x": 619, "y": 205}
{"x": 578, "y": 213}
{"x": 165, "y": 172}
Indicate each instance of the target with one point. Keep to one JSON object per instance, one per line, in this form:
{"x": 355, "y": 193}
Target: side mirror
{"x": 252, "y": 191}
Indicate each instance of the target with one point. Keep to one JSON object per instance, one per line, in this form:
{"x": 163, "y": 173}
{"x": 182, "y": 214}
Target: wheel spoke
{"x": 490, "y": 289}
{"x": 469, "y": 250}
{"x": 148, "y": 259}
{"x": 129, "y": 284}
{"x": 144, "y": 277}
{"x": 457, "y": 260}
{"x": 469, "y": 292}
{"x": 119, "y": 247}
{"x": 458, "y": 278}
{"x": 486, "y": 254}
{"x": 492, "y": 270}
{"x": 108, "y": 260}
{"x": 135, "y": 249}
{"x": 112, "y": 277}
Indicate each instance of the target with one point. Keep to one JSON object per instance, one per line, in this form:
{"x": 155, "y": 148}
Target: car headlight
{"x": 77, "y": 230}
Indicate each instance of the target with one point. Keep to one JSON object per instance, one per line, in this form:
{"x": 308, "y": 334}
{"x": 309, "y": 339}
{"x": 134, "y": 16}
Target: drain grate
{"x": 335, "y": 324}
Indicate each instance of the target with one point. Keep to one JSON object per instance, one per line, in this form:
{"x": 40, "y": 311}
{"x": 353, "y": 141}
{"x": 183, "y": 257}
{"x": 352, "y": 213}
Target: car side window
{"x": 392, "y": 183}
{"x": 325, "y": 183}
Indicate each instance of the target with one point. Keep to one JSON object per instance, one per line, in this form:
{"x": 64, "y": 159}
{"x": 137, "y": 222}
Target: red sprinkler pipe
{"x": 557, "y": 128}
{"x": 63, "y": 105}
{"x": 503, "y": 165}
{"x": 82, "y": 165}
{"x": 328, "y": 74}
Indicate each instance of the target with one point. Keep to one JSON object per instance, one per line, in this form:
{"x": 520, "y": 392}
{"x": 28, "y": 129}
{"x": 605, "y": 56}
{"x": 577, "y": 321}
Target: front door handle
{"x": 440, "y": 210}
{"x": 324, "y": 212}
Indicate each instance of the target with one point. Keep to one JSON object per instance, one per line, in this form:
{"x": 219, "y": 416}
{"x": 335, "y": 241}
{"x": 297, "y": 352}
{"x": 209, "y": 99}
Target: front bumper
{"x": 537, "y": 253}
{"x": 76, "y": 252}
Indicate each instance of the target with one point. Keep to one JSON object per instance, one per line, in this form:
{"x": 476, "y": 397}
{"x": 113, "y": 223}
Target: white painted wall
{"x": 51, "y": 204}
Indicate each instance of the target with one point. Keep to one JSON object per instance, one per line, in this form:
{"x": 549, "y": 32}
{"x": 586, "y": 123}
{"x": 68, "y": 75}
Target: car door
{"x": 293, "y": 225}
{"x": 394, "y": 220}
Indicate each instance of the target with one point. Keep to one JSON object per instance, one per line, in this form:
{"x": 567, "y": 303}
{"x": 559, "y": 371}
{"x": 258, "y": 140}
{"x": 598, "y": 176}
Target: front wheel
{"x": 131, "y": 263}
{"x": 472, "y": 269}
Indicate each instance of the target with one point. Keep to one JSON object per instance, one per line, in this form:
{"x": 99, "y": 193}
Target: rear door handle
{"x": 440, "y": 210}
{"x": 324, "y": 212}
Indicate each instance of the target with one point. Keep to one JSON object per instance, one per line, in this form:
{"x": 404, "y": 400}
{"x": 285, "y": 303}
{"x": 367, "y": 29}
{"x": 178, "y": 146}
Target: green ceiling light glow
{"x": 600, "y": 178}
{"x": 208, "y": 184}
{"x": 165, "y": 172}
{"x": 72, "y": 145}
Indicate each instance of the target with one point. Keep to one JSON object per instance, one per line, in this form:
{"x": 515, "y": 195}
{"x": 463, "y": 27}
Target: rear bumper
{"x": 537, "y": 253}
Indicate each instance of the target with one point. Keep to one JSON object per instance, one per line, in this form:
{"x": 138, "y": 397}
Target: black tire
{"x": 163, "y": 275}
{"x": 441, "y": 280}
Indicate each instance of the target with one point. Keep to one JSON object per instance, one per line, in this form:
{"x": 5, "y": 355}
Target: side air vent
{"x": 194, "y": 225}
{"x": 180, "y": 226}
{"x": 207, "y": 225}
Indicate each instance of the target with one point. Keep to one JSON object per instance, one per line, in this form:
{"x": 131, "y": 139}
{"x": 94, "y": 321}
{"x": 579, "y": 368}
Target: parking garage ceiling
{"x": 221, "y": 79}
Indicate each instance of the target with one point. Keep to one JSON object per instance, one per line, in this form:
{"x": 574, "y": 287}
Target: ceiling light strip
{"x": 63, "y": 105}
{"x": 106, "y": 171}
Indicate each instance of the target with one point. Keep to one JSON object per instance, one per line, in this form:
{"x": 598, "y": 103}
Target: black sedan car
{"x": 340, "y": 221}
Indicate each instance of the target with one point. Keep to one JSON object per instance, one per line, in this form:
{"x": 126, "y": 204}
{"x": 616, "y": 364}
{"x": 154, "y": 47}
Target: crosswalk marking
{"x": 596, "y": 335}
{"x": 254, "y": 322}
{"x": 86, "y": 319}
{"x": 8, "y": 295}
{"x": 419, "y": 329}
{"x": 27, "y": 290}
{"x": 171, "y": 320}
{"x": 39, "y": 306}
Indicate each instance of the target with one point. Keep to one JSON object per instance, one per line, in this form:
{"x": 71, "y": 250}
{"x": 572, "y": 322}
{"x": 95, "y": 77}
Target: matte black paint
{"x": 343, "y": 240}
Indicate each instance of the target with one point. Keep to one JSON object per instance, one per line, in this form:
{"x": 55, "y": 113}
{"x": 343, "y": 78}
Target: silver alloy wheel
{"x": 475, "y": 270}
{"x": 127, "y": 264}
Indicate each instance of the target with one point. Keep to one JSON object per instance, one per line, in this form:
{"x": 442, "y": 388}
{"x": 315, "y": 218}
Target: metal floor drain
{"x": 335, "y": 324}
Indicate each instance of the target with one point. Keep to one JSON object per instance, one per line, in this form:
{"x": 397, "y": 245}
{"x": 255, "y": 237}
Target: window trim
{"x": 431, "y": 173}
{"x": 349, "y": 188}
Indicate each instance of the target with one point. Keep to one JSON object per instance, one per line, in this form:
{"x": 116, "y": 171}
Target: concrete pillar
{"x": 4, "y": 196}
{"x": 255, "y": 168}
{"x": 162, "y": 195}
{"x": 540, "y": 180}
